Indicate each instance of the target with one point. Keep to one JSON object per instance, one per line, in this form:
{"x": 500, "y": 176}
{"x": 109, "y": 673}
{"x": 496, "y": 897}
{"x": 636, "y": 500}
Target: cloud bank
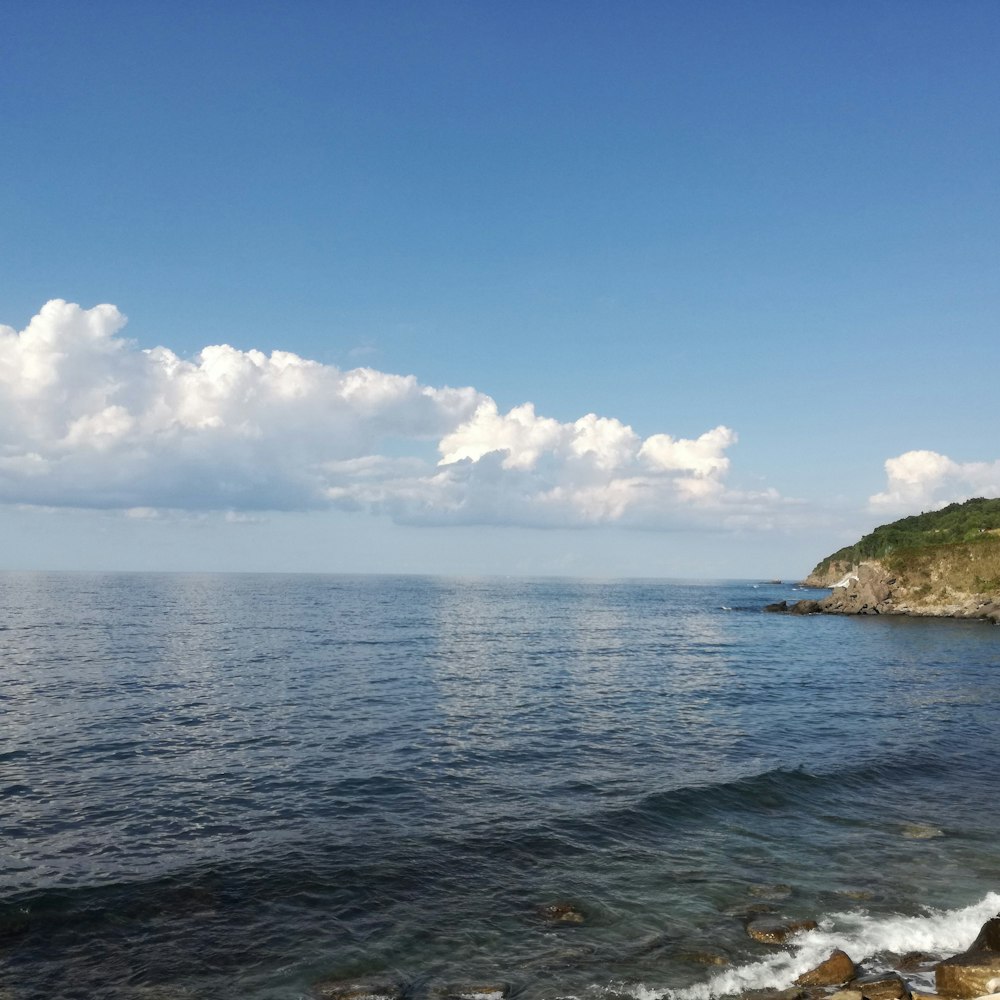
{"x": 923, "y": 480}
{"x": 87, "y": 419}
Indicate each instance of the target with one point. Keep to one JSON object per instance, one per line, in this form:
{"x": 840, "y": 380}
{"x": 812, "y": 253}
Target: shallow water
{"x": 230, "y": 786}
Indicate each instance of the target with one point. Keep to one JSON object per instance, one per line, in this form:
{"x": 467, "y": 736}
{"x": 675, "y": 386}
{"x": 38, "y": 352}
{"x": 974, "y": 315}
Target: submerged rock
{"x": 561, "y": 913}
{"x": 703, "y": 957}
{"x": 769, "y": 931}
{"x": 861, "y": 895}
{"x": 563, "y": 958}
{"x": 919, "y": 831}
{"x": 472, "y": 991}
{"x": 776, "y": 891}
{"x": 358, "y": 989}
{"x": 837, "y": 969}
{"x": 976, "y": 971}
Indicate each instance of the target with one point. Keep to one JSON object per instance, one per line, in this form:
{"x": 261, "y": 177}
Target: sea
{"x": 238, "y": 786}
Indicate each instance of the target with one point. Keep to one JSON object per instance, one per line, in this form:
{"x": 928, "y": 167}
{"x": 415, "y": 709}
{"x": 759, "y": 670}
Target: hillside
{"x": 943, "y": 563}
{"x": 975, "y": 522}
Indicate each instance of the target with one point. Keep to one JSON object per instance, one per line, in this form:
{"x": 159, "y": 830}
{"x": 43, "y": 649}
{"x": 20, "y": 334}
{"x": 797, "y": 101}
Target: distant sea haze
{"x": 238, "y": 785}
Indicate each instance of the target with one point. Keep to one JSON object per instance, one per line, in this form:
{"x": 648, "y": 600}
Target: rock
{"x": 747, "y": 911}
{"x": 472, "y": 991}
{"x": 988, "y": 938}
{"x": 563, "y": 958}
{"x": 869, "y": 592}
{"x": 911, "y": 961}
{"x": 779, "y": 607}
{"x": 971, "y": 974}
{"x": 976, "y": 971}
{"x": 837, "y": 969}
{"x": 358, "y": 989}
{"x": 703, "y": 958}
{"x": 859, "y": 894}
{"x": 561, "y": 913}
{"x": 846, "y": 994}
{"x": 792, "y": 993}
{"x": 769, "y": 931}
{"x": 807, "y": 607}
{"x": 776, "y": 891}
{"x": 882, "y": 986}
{"x": 918, "y": 831}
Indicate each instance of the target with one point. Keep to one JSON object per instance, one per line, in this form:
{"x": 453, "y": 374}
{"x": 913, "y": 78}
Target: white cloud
{"x": 922, "y": 480}
{"x": 87, "y": 419}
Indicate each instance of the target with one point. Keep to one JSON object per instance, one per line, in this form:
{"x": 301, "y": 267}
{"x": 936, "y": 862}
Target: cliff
{"x": 945, "y": 563}
{"x": 958, "y": 522}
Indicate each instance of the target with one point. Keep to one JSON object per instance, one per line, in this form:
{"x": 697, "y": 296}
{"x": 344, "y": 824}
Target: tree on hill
{"x": 958, "y": 522}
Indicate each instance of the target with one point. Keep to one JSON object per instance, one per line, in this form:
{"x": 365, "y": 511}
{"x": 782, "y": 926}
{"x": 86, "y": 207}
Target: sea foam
{"x": 861, "y": 935}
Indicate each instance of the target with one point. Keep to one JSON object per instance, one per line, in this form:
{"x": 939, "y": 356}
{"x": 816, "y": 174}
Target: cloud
{"x": 922, "y": 480}
{"x": 88, "y": 419}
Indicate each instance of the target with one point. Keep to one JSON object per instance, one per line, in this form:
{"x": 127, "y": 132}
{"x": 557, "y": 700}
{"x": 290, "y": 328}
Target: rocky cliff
{"x": 944, "y": 563}
{"x": 948, "y": 581}
{"x": 826, "y": 574}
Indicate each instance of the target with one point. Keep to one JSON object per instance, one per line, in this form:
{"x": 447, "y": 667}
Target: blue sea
{"x": 235, "y": 786}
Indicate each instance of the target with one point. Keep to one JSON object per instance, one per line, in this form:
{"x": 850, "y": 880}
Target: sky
{"x": 682, "y": 290}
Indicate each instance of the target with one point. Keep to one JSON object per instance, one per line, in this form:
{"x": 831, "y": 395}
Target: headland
{"x": 943, "y": 564}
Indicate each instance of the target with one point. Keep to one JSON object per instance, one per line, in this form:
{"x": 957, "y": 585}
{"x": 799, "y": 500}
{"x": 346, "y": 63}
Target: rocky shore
{"x": 973, "y": 973}
{"x": 872, "y": 589}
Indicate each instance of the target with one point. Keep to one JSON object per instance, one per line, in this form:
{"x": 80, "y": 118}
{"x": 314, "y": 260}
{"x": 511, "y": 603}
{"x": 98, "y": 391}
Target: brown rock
{"x": 472, "y": 991}
{"x": 561, "y": 913}
{"x": 913, "y": 961}
{"x": 358, "y": 989}
{"x": 792, "y": 993}
{"x": 847, "y": 994}
{"x": 882, "y": 986}
{"x": 837, "y": 969}
{"x": 970, "y": 974}
{"x": 974, "y": 971}
{"x": 777, "y": 931}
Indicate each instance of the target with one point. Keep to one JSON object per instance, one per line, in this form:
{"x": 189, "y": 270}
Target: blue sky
{"x": 777, "y": 218}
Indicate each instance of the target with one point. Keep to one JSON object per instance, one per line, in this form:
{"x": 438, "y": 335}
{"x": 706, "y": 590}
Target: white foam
{"x": 942, "y": 933}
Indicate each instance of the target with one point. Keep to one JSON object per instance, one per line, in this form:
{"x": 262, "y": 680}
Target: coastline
{"x": 949, "y": 955}
{"x": 873, "y": 589}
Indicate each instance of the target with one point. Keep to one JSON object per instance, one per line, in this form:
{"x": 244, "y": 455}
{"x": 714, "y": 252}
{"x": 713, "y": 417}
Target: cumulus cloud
{"x": 922, "y": 480}
{"x": 87, "y": 419}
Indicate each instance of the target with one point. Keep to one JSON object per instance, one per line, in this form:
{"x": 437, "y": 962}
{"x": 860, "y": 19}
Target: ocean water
{"x": 233, "y": 786}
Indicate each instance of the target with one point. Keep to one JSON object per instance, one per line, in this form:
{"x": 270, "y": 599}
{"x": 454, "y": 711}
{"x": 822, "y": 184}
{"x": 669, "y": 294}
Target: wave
{"x": 766, "y": 791}
{"x": 862, "y": 936}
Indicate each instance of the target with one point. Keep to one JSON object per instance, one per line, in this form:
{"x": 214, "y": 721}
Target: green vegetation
{"x": 953, "y": 567}
{"x": 973, "y": 523}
